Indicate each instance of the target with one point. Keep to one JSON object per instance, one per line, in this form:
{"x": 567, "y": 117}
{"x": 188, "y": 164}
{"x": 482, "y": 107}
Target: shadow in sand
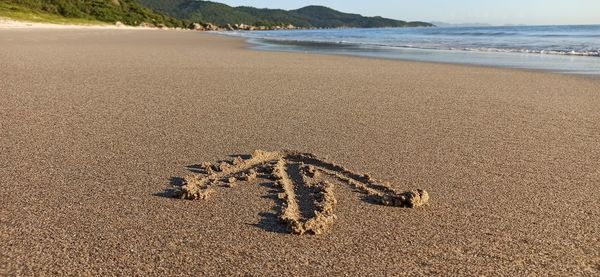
{"x": 303, "y": 180}
{"x": 243, "y": 156}
{"x": 196, "y": 168}
{"x": 171, "y": 191}
{"x": 269, "y": 221}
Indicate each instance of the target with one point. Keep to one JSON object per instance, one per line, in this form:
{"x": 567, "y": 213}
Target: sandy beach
{"x": 6, "y": 23}
{"x": 95, "y": 124}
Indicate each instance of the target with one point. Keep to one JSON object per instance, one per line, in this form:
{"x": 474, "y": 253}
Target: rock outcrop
{"x": 238, "y": 27}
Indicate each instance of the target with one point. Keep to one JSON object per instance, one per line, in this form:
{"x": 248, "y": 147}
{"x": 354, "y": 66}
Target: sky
{"x": 495, "y": 12}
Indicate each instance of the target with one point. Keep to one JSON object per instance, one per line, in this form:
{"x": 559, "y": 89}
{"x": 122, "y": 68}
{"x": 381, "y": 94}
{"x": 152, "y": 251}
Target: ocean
{"x": 573, "y": 49}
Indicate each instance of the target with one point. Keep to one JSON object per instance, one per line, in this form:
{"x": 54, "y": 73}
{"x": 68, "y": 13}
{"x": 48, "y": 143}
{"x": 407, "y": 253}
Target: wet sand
{"x": 95, "y": 124}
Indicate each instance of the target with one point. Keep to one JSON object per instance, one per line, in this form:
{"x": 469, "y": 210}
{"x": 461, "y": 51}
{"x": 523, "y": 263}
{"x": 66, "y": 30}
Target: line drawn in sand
{"x": 305, "y": 182}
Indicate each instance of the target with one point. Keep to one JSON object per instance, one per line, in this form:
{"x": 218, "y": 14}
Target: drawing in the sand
{"x": 292, "y": 172}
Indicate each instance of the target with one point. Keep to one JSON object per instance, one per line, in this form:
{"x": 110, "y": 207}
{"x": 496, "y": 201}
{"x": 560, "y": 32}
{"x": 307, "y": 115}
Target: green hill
{"x": 311, "y": 16}
{"x": 129, "y": 12}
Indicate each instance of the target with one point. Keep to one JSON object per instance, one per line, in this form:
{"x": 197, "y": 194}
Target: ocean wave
{"x": 366, "y": 45}
{"x": 594, "y": 53}
{"x": 544, "y": 40}
{"x": 476, "y": 34}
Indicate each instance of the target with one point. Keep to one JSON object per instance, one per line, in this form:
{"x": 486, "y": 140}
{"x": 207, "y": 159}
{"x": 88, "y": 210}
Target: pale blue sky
{"x": 455, "y": 11}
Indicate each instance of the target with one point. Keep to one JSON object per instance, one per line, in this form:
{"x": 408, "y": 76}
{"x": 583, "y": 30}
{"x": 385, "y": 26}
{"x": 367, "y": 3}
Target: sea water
{"x": 571, "y": 49}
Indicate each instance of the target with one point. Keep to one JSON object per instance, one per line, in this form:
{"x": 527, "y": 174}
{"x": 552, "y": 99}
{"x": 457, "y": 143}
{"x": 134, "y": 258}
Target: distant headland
{"x": 193, "y": 14}
{"x": 250, "y": 18}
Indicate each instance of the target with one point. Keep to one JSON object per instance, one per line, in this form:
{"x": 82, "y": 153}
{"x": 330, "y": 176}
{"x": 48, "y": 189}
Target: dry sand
{"x": 94, "y": 124}
{"x": 6, "y": 23}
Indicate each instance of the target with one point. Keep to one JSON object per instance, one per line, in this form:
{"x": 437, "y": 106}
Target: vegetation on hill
{"x": 129, "y": 12}
{"x": 311, "y": 16}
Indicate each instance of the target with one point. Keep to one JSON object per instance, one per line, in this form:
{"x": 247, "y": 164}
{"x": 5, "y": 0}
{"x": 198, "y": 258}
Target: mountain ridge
{"x": 312, "y": 16}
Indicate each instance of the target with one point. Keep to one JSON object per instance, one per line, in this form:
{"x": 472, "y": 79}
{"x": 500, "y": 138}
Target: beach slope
{"x": 96, "y": 124}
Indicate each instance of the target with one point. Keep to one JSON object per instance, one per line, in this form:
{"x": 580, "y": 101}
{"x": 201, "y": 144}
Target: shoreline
{"x": 361, "y": 43}
{"x": 97, "y": 124}
{"x": 254, "y": 46}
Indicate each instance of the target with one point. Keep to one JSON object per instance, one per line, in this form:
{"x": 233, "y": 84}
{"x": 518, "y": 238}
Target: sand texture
{"x": 292, "y": 172}
{"x": 6, "y": 23}
{"x": 102, "y": 132}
